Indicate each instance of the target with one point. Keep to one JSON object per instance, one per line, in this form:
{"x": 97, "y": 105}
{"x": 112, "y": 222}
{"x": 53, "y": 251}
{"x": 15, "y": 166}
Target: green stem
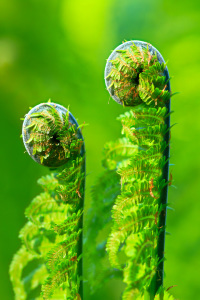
{"x": 157, "y": 281}
{"x": 80, "y": 225}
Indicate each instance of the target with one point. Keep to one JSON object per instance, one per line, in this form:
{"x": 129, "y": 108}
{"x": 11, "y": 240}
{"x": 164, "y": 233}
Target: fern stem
{"x": 163, "y": 200}
{"x": 80, "y": 225}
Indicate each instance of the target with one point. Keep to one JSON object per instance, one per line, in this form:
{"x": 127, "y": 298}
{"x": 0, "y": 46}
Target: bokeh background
{"x": 58, "y": 49}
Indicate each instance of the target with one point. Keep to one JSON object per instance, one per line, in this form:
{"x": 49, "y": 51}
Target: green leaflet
{"x": 38, "y": 240}
{"x": 46, "y": 265}
{"x": 44, "y": 210}
{"x": 23, "y": 284}
{"x": 114, "y": 152}
{"x": 60, "y": 278}
{"x": 131, "y": 294}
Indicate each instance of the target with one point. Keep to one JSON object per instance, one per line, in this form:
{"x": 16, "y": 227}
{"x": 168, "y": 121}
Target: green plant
{"x": 135, "y": 182}
{"x": 49, "y": 264}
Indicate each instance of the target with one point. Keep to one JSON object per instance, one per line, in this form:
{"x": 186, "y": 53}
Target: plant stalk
{"x": 80, "y": 225}
{"x": 157, "y": 281}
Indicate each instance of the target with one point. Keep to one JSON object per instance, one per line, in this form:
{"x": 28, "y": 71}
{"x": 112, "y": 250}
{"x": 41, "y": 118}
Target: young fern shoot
{"x": 134, "y": 185}
{"x": 137, "y": 76}
{"x": 49, "y": 263}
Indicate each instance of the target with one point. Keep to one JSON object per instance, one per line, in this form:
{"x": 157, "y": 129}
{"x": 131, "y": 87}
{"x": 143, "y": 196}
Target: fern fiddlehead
{"x": 137, "y": 77}
{"x": 49, "y": 264}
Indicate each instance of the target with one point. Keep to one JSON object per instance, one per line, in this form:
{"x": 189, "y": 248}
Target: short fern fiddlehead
{"x": 49, "y": 264}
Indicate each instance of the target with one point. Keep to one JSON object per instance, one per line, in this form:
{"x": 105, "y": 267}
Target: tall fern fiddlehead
{"x": 49, "y": 264}
{"x": 136, "y": 76}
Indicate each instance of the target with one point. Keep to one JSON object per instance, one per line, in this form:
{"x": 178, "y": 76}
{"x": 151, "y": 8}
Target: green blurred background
{"x": 58, "y": 49}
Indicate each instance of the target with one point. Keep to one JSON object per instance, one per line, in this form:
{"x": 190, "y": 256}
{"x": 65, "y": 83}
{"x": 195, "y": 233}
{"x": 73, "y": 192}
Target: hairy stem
{"x": 80, "y": 225}
{"x": 157, "y": 282}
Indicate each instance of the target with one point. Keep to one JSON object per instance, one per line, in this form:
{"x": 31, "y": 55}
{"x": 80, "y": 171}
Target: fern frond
{"x": 44, "y": 210}
{"x": 140, "y": 158}
{"x": 38, "y": 240}
{"x": 51, "y": 238}
{"x": 24, "y": 283}
{"x": 115, "y": 152}
{"x": 61, "y": 274}
{"x": 60, "y": 251}
{"x": 70, "y": 223}
{"x": 49, "y": 182}
{"x": 114, "y": 242}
